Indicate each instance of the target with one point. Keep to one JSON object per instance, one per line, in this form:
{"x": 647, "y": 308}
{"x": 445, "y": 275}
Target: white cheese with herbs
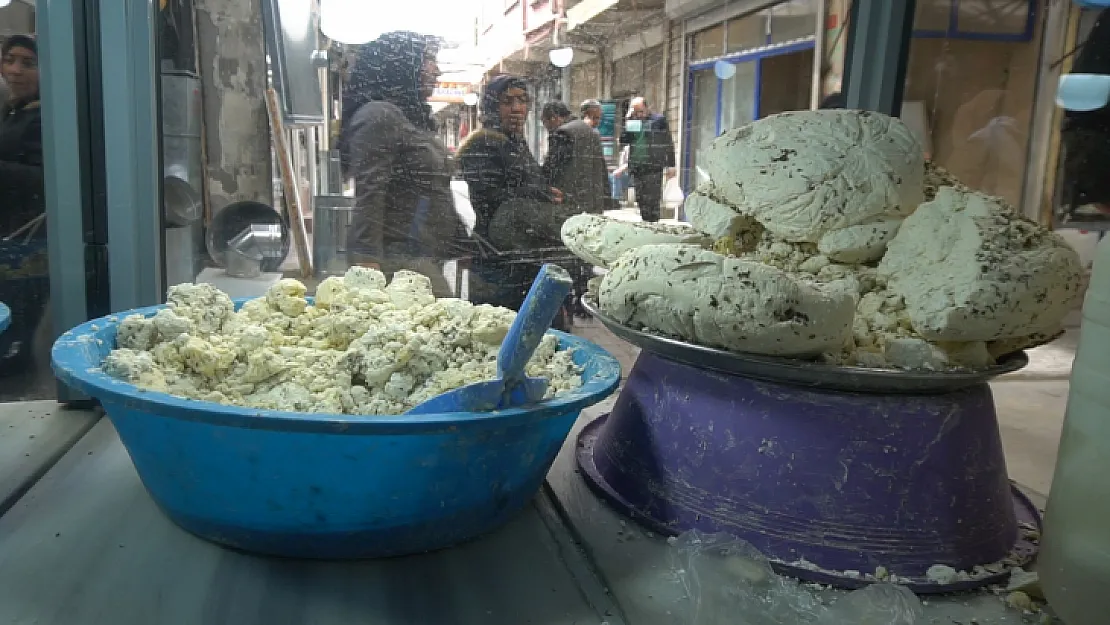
{"x": 702, "y": 297}
{"x": 860, "y": 244}
{"x": 970, "y": 269}
{"x": 715, "y": 218}
{"x": 363, "y": 347}
{"x": 805, "y": 173}
{"x": 601, "y": 240}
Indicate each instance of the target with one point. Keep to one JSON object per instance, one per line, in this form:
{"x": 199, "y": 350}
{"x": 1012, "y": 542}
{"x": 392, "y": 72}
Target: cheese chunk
{"x": 702, "y": 297}
{"x": 911, "y": 353}
{"x": 805, "y": 173}
{"x": 600, "y": 240}
{"x": 971, "y": 269}
{"x": 716, "y": 219}
{"x": 860, "y": 244}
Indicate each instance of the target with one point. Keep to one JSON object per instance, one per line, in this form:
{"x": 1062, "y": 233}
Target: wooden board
{"x": 293, "y": 199}
{"x": 33, "y": 436}
{"x": 87, "y": 546}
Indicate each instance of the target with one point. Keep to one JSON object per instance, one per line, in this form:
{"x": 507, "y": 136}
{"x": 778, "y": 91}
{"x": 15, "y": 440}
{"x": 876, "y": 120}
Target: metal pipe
{"x": 879, "y": 33}
{"x": 819, "y": 45}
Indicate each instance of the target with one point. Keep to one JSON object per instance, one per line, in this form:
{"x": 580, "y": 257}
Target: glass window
{"x": 703, "y": 122}
{"x": 709, "y": 43}
{"x": 793, "y": 20}
{"x": 977, "y": 99}
{"x": 747, "y": 32}
{"x": 789, "y": 85}
{"x": 933, "y": 15}
{"x": 738, "y": 96}
{"x": 993, "y": 17}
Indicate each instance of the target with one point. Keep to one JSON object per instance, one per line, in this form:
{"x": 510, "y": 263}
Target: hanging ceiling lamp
{"x": 348, "y": 21}
{"x": 561, "y": 57}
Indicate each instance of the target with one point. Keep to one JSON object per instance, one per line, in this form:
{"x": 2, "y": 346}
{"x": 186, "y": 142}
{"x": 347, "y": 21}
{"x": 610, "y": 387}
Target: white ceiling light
{"x": 561, "y": 57}
{"x": 348, "y": 21}
{"x": 724, "y": 70}
{"x": 4, "y": 3}
{"x": 470, "y": 99}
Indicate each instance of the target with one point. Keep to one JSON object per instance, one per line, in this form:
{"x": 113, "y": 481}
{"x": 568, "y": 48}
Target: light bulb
{"x": 724, "y": 70}
{"x": 470, "y": 99}
{"x": 561, "y": 57}
{"x": 348, "y": 21}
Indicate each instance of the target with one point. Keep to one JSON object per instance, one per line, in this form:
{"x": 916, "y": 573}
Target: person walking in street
{"x": 515, "y": 207}
{"x": 591, "y": 113}
{"x": 404, "y": 216}
{"x": 651, "y": 155}
{"x": 575, "y": 162}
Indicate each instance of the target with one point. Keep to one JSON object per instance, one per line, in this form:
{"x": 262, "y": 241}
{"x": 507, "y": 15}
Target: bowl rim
{"x": 73, "y": 368}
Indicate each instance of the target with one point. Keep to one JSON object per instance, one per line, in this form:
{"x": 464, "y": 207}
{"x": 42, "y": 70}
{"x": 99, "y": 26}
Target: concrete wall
{"x": 233, "y": 74}
{"x": 676, "y": 86}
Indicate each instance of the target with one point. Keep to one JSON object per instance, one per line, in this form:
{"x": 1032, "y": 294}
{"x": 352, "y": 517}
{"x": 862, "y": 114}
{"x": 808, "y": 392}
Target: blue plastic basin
{"x": 330, "y": 486}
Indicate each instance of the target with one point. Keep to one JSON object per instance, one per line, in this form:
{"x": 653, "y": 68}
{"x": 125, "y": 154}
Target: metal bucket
{"x": 262, "y": 224}
{"x": 330, "y": 222}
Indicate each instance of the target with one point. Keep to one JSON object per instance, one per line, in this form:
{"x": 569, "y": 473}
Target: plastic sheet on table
{"x": 729, "y": 582}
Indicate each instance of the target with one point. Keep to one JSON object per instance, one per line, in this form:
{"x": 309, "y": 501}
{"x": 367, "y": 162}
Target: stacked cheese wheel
{"x": 826, "y": 234}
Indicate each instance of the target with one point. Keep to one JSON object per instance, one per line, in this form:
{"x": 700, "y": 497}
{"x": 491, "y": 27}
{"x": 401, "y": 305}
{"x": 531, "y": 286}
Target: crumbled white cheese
{"x": 805, "y": 173}
{"x": 365, "y": 347}
{"x": 698, "y": 295}
{"x": 944, "y": 574}
{"x": 600, "y": 240}
{"x": 971, "y": 269}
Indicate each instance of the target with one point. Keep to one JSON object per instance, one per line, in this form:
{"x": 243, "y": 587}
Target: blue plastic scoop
{"x": 512, "y": 387}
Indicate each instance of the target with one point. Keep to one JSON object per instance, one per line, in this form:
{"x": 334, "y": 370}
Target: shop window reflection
{"x": 978, "y": 98}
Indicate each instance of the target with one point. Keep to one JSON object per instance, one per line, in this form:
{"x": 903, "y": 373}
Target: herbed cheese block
{"x": 601, "y": 240}
{"x": 805, "y": 173}
{"x": 702, "y": 297}
{"x": 970, "y": 269}
{"x": 717, "y": 219}
{"x": 860, "y": 244}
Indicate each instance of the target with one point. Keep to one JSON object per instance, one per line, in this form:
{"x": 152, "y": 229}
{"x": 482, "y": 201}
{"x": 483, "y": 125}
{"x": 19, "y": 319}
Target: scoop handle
{"x": 548, "y": 293}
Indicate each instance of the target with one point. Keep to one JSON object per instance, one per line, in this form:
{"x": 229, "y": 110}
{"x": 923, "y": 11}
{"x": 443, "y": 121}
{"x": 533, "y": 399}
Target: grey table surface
{"x": 33, "y": 436}
{"x": 87, "y": 546}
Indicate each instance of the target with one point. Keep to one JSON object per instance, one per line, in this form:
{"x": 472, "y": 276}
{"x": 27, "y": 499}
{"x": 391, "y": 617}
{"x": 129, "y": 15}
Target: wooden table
{"x": 87, "y": 546}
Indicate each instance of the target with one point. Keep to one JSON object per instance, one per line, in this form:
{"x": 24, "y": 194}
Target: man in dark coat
{"x": 651, "y": 157}
{"x": 575, "y": 162}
